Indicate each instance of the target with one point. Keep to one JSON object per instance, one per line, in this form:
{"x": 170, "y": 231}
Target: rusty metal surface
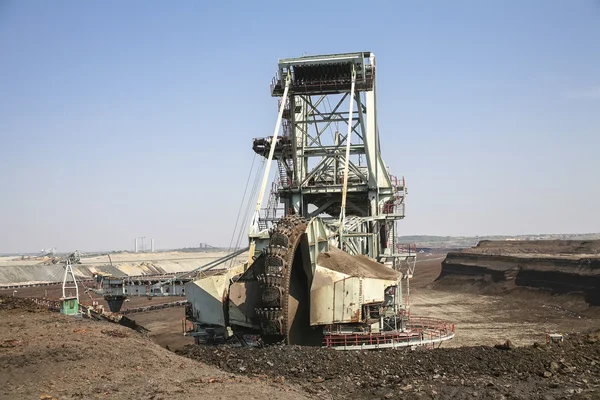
{"x": 244, "y": 297}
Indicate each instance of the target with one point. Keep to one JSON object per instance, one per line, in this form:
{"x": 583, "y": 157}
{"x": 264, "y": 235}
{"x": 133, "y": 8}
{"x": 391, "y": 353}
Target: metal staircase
{"x": 270, "y": 212}
{"x": 284, "y": 180}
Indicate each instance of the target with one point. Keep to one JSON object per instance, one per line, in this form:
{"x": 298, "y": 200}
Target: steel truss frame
{"x": 325, "y": 172}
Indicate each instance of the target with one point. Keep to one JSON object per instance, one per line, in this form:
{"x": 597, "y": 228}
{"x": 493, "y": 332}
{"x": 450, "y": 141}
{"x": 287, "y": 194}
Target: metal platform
{"x": 420, "y": 331}
{"x": 325, "y": 74}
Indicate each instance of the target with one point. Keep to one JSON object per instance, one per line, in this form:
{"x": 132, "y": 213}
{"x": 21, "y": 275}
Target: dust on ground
{"x": 48, "y": 354}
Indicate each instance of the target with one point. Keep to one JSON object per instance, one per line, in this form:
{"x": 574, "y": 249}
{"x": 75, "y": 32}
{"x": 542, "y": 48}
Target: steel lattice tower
{"x": 330, "y": 131}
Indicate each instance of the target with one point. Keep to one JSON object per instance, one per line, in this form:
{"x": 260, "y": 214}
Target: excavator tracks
{"x": 278, "y": 306}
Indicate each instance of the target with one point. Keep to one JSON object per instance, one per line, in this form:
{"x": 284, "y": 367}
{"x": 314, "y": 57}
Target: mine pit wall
{"x": 555, "y": 274}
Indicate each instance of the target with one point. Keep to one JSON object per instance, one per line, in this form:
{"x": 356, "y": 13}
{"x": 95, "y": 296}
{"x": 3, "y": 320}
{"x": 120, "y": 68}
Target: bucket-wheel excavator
{"x": 328, "y": 271}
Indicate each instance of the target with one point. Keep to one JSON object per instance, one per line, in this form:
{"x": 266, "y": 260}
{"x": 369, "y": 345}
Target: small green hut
{"x": 69, "y": 305}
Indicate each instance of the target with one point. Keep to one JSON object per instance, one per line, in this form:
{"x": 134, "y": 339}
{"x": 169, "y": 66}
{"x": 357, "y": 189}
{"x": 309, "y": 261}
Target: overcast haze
{"x": 125, "y": 119}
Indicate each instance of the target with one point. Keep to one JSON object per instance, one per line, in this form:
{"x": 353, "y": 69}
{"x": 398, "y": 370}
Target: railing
{"x": 397, "y": 183}
{"x": 284, "y": 179}
{"x": 396, "y": 207}
{"x": 411, "y": 249}
{"x": 269, "y": 214}
{"x": 276, "y": 80}
{"x": 420, "y": 331}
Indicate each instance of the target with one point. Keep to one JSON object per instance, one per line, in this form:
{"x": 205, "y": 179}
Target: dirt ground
{"x": 45, "y": 355}
{"x": 568, "y": 248}
{"x": 523, "y": 316}
{"x": 165, "y": 327}
{"x": 475, "y": 370}
{"x": 571, "y": 370}
{"x": 473, "y": 365}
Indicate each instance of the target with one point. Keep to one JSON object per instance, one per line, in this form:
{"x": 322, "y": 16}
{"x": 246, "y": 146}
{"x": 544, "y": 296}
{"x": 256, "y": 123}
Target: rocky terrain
{"x": 556, "y": 266}
{"x": 567, "y": 370}
{"x": 45, "y": 355}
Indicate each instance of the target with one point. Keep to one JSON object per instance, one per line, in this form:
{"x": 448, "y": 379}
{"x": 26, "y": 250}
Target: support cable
{"x": 261, "y": 193}
{"x": 242, "y": 203}
{"x": 247, "y": 213}
{"x": 248, "y": 209}
{"x": 254, "y": 228}
{"x": 347, "y": 163}
{"x": 253, "y": 194}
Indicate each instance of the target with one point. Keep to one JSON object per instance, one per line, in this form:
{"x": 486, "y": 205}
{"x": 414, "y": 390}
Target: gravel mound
{"x": 17, "y": 304}
{"x": 571, "y": 368}
{"x": 358, "y": 265}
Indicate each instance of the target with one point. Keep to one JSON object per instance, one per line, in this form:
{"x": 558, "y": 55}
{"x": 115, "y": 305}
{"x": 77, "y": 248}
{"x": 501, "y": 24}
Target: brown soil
{"x": 101, "y": 360}
{"x": 358, "y": 265}
{"x": 47, "y": 354}
{"x": 165, "y": 327}
{"x": 485, "y": 315}
{"x": 555, "y": 267}
{"x": 472, "y": 368}
{"x": 572, "y": 368}
{"x": 565, "y": 247}
{"x": 427, "y": 269}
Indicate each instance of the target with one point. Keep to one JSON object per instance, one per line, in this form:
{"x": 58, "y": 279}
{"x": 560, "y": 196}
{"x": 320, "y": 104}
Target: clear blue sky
{"x": 124, "y": 119}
